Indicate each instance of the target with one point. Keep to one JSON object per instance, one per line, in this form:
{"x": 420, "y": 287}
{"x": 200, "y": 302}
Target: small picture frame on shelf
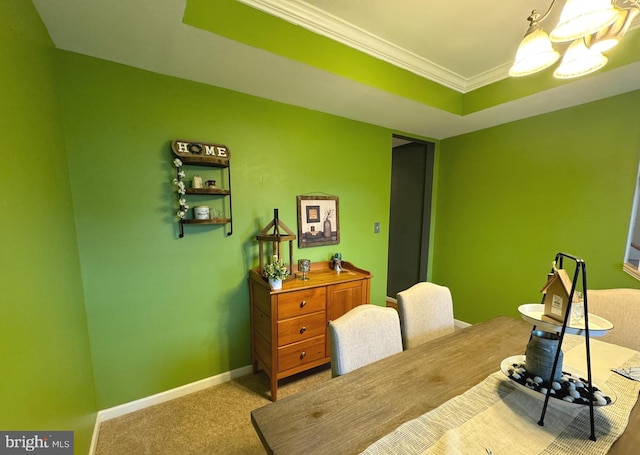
{"x": 318, "y": 221}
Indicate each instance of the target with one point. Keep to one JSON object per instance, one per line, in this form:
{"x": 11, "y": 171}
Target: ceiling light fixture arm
{"x": 535, "y": 18}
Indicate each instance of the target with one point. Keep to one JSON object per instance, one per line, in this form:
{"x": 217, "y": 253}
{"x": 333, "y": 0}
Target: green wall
{"x": 512, "y": 196}
{"x": 164, "y": 311}
{"x": 46, "y": 381}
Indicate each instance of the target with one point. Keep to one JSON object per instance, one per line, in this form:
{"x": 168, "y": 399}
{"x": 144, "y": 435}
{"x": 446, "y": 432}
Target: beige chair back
{"x": 363, "y": 335}
{"x": 622, "y": 308}
{"x": 426, "y": 313}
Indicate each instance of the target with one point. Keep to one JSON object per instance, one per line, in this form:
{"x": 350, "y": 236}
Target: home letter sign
{"x": 191, "y": 152}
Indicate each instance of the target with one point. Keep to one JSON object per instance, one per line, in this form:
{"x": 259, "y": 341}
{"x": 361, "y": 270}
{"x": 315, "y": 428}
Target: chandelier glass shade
{"x": 609, "y": 37}
{"x": 534, "y": 54}
{"x": 593, "y": 26}
{"x": 579, "y": 60}
{"x": 583, "y": 17}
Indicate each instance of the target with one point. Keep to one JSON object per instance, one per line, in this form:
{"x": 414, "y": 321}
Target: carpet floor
{"x": 212, "y": 421}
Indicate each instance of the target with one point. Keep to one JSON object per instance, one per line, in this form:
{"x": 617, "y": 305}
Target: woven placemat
{"x": 497, "y": 415}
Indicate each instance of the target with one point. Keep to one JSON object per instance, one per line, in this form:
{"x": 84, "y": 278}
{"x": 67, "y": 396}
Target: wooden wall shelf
{"x": 213, "y": 221}
{"x": 208, "y": 191}
{"x": 210, "y": 155}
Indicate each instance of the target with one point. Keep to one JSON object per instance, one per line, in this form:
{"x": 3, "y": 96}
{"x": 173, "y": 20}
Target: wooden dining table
{"x": 348, "y": 413}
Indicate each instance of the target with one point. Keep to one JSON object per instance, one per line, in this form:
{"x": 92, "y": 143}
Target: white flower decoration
{"x": 181, "y": 189}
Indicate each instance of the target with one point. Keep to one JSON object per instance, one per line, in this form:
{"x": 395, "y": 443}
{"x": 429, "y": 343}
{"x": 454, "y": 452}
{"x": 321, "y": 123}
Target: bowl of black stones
{"x": 571, "y": 388}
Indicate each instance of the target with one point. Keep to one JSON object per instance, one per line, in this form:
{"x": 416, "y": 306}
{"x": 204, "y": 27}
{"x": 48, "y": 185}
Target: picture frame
{"x": 313, "y": 213}
{"x": 318, "y": 221}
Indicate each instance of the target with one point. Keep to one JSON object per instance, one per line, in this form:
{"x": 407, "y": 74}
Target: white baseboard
{"x": 461, "y": 324}
{"x": 171, "y": 394}
{"x": 94, "y": 437}
{"x": 126, "y": 408}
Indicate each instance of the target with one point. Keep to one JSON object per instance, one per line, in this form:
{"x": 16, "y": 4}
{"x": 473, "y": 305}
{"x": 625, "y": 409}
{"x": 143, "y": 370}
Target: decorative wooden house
{"x": 556, "y": 295}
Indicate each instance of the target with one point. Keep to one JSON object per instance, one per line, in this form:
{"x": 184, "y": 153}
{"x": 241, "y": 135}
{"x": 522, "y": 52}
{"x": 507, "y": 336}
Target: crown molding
{"x": 322, "y": 23}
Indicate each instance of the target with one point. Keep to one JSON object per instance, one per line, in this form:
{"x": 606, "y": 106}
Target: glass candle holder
{"x": 303, "y": 266}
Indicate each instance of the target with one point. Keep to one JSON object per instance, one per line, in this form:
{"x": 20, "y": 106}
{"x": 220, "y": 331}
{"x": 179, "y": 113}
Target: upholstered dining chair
{"x": 426, "y": 313}
{"x": 621, "y": 307}
{"x": 363, "y": 335}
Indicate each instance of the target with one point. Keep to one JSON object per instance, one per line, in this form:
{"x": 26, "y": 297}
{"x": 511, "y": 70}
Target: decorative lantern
{"x": 273, "y": 234}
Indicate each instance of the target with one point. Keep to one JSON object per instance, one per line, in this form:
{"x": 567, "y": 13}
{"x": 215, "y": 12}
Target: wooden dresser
{"x": 289, "y": 326}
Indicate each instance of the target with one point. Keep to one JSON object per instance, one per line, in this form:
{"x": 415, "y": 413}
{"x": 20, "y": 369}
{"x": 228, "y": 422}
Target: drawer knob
{"x": 303, "y": 329}
{"x": 303, "y": 303}
{"x": 303, "y": 354}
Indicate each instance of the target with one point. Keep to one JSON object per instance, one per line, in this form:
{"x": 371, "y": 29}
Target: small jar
{"x": 201, "y": 212}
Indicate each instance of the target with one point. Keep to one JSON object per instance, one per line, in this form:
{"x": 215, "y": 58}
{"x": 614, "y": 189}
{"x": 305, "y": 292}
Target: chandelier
{"x": 592, "y": 26}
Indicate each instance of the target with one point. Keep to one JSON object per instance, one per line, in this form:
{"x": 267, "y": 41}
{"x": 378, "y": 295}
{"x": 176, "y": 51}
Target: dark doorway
{"x": 410, "y": 213}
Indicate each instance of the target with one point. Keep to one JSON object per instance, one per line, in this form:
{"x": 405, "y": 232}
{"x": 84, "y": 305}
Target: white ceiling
{"x": 463, "y": 45}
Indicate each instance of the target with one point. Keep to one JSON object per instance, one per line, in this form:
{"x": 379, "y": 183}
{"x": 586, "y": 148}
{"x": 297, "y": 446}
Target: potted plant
{"x": 275, "y": 272}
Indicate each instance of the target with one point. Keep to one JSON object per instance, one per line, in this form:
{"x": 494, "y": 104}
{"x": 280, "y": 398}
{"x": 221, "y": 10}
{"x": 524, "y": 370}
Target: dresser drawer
{"x": 298, "y": 303}
{"x": 297, "y": 354}
{"x": 301, "y": 328}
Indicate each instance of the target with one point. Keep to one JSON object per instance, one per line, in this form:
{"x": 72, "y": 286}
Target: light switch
{"x": 376, "y": 227}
